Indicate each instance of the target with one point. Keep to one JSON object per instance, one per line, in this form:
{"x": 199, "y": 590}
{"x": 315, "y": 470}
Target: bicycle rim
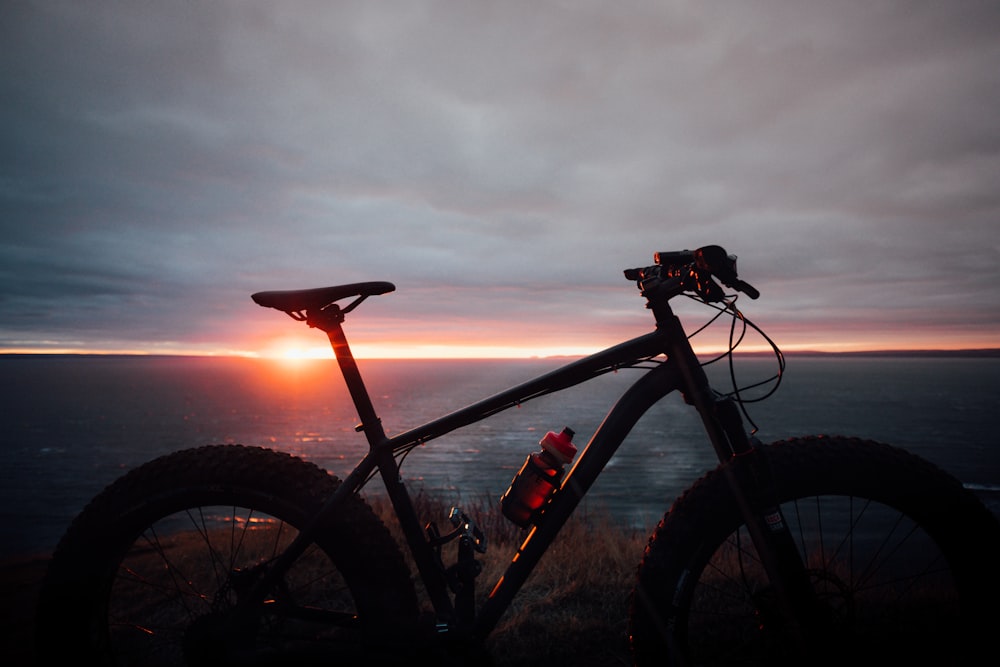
{"x": 900, "y": 556}
{"x": 171, "y": 593}
{"x": 884, "y": 586}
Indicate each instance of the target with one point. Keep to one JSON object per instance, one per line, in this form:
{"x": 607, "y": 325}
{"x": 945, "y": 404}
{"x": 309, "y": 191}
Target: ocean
{"x": 73, "y": 424}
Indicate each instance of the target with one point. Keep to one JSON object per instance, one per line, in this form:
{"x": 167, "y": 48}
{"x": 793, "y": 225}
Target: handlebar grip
{"x": 747, "y": 289}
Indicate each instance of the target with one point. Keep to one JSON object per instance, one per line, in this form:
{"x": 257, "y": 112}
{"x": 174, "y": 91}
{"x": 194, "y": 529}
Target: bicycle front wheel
{"x": 151, "y": 570}
{"x": 902, "y": 558}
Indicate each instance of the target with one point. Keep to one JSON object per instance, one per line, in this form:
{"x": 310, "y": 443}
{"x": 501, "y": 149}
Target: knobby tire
{"x": 904, "y": 561}
{"x": 146, "y": 573}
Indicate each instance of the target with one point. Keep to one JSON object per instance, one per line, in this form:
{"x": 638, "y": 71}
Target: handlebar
{"x": 681, "y": 271}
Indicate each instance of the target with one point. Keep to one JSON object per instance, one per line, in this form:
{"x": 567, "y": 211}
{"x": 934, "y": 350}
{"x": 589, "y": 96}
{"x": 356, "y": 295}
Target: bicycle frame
{"x": 680, "y": 371}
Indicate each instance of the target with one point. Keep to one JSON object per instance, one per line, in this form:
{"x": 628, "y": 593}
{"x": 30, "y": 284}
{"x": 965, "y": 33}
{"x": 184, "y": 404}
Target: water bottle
{"x": 538, "y": 478}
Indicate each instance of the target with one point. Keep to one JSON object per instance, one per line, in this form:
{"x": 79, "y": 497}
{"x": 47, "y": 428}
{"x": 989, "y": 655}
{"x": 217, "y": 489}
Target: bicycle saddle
{"x": 299, "y": 301}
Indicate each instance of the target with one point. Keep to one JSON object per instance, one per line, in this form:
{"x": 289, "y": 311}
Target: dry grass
{"x": 574, "y": 607}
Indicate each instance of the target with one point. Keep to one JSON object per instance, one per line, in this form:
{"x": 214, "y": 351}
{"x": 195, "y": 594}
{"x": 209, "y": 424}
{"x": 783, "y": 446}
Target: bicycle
{"x": 228, "y": 554}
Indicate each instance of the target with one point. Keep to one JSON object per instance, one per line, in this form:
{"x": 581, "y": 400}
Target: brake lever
{"x": 723, "y": 266}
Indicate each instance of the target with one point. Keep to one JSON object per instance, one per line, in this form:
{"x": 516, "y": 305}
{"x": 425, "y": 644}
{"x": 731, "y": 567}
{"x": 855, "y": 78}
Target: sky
{"x": 501, "y": 164}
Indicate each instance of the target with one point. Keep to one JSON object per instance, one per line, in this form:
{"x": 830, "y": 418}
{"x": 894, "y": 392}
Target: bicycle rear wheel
{"x": 902, "y": 559}
{"x": 150, "y": 570}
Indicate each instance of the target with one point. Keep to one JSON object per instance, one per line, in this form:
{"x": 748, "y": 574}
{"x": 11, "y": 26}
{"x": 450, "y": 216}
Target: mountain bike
{"x": 809, "y": 550}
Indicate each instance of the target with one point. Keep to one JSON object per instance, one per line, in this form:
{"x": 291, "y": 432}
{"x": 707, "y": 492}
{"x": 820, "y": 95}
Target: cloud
{"x": 161, "y": 161}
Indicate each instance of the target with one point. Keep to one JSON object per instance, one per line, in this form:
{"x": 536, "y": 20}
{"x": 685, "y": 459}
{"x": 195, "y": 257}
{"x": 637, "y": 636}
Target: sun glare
{"x": 293, "y": 350}
{"x": 298, "y": 353}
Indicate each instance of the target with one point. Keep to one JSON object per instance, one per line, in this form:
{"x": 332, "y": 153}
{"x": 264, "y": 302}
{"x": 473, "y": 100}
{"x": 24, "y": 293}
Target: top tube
{"x": 622, "y": 355}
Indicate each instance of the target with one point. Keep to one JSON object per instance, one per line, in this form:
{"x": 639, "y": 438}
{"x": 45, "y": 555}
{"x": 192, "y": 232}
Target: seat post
{"x": 370, "y": 422}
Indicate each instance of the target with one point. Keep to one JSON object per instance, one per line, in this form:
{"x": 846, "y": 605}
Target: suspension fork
{"x": 750, "y": 479}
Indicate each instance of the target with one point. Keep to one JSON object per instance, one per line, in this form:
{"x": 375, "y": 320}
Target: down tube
{"x": 609, "y": 436}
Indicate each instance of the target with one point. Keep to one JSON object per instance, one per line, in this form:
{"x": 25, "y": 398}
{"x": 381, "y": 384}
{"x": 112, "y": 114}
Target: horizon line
{"x": 889, "y": 352}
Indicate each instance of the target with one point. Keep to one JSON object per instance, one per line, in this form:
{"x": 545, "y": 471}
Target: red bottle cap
{"x": 560, "y": 445}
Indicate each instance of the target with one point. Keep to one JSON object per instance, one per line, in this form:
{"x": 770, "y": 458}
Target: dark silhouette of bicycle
{"x": 810, "y": 550}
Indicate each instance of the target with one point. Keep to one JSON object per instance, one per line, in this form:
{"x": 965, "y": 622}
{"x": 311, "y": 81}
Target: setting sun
{"x": 297, "y": 349}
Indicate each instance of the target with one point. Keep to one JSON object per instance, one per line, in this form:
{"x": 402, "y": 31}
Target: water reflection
{"x": 73, "y": 425}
